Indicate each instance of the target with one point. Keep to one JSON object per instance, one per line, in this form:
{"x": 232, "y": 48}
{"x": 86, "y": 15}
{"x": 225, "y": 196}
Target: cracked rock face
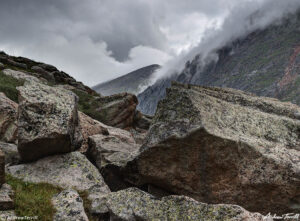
{"x": 8, "y": 119}
{"x": 224, "y": 146}
{"x": 47, "y": 122}
{"x": 134, "y": 204}
{"x": 71, "y": 170}
{"x": 69, "y": 206}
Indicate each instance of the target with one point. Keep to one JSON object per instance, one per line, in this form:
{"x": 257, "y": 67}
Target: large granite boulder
{"x": 110, "y": 153}
{"x": 69, "y": 206}
{"x": 48, "y": 121}
{"x": 134, "y": 204}
{"x": 117, "y": 110}
{"x": 224, "y": 146}
{"x": 8, "y": 119}
{"x": 71, "y": 170}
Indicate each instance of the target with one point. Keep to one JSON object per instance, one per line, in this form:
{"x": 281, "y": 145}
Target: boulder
{"x": 71, "y": 170}
{"x": 223, "y": 146}
{"x": 20, "y": 75}
{"x": 117, "y": 110}
{"x": 42, "y": 73}
{"x": 133, "y": 204}
{"x": 2, "y": 168}
{"x": 110, "y": 153}
{"x": 48, "y": 121}
{"x": 88, "y": 128}
{"x": 11, "y": 153}
{"x": 69, "y": 206}
{"x": 16, "y": 64}
{"x": 8, "y": 119}
{"x": 6, "y": 197}
{"x": 1, "y": 66}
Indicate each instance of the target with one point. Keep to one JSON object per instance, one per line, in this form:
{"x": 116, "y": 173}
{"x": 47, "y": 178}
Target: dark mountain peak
{"x": 132, "y": 82}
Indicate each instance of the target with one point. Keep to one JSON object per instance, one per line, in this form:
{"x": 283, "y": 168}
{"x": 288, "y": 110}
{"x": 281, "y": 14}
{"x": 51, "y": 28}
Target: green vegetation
{"x": 33, "y": 199}
{"x": 88, "y": 104}
{"x": 8, "y": 86}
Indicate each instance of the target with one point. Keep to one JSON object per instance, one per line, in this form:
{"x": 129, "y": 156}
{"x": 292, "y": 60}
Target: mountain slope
{"x": 266, "y": 63}
{"x": 130, "y": 83}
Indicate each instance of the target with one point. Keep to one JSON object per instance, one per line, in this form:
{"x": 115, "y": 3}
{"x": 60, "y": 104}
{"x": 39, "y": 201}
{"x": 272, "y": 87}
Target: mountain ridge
{"x": 131, "y": 82}
{"x": 265, "y": 62}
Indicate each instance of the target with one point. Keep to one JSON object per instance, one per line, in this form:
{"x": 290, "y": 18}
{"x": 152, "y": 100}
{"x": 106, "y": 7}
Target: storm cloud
{"x": 97, "y": 40}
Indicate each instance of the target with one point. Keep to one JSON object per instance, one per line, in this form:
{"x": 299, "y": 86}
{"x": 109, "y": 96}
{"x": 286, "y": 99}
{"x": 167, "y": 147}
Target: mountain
{"x": 131, "y": 83}
{"x": 266, "y": 63}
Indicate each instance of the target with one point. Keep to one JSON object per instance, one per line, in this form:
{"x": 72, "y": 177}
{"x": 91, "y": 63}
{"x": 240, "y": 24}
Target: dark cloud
{"x": 97, "y": 40}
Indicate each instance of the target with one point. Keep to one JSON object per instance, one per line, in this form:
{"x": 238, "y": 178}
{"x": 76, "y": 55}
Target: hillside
{"x": 266, "y": 63}
{"x": 131, "y": 83}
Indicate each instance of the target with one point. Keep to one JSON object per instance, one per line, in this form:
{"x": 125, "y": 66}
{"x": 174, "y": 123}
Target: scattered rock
{"x": 8, "y": 119}
{"x": 6, "y": 197}
{"x": 224, "y": 146}
{"x": 110, "y": 153}
{"x": 2, "y": 168}
{"x": 134, "y": 204}
{"x": 71, "y": 170}
{"x": 11, "y": 153}
{"x": 117, "y": 110}
{"x": 48, "y": 121}
{"x": 47, "y": 67}
{"x": 20, "y": 75}
{"x": 69, "y": 206}
{"x": 16, "y": 64}
{"x": 1, "y": 66}
{"x": 88, "y": 128}
{"x": 44, "y": 74}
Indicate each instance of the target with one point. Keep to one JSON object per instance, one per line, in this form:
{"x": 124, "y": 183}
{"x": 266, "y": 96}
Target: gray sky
{"x": 97, "y": 40}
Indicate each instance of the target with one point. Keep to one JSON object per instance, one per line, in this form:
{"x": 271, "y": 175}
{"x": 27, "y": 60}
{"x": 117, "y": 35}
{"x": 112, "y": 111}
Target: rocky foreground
{"x": 208, "y": 154}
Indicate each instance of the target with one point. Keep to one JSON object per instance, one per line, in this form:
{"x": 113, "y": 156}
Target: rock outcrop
{"x": 69, "y": 206}
{"x": 134, "y": 204}
{"x": 8, "y": 119}
{"x": 37, "y": 71}
{"x": 117, "y": 110}
{"x": 20, "y": 75}
{"x": 224, "y": 146}
{"x": 71, "y": 170}
{"x": 47, "y": 122}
